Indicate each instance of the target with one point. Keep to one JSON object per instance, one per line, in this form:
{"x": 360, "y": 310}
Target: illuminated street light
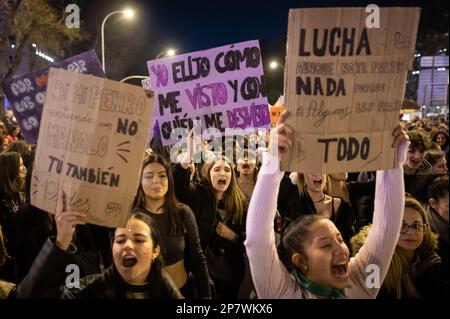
{"x": 274, "y": 64}
{"x": 127, "y": 13}
{"x": 170, "y": 52}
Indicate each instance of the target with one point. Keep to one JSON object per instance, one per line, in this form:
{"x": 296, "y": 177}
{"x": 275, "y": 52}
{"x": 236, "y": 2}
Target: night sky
{"x": 198, "y": 25}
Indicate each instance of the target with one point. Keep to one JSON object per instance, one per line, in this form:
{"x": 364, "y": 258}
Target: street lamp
{"x": 275, "y": 64}
{"x": 134, "y": 77}
{"x": 127, "y": 13}
{"x": 170, "y": 52}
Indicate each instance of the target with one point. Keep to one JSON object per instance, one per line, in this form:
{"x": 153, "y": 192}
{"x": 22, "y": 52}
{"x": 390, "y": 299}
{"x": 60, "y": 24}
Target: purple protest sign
{"x": 222, "y": 87}
{"x": 26, "y": 92}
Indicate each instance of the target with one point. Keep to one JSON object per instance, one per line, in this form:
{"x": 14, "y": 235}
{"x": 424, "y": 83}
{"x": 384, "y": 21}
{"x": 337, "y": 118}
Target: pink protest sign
{"x": 222, "y": 88}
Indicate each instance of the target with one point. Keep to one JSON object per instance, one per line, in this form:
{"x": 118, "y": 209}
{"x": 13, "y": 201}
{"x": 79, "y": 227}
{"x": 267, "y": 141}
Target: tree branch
{"x": 16, "y": 60}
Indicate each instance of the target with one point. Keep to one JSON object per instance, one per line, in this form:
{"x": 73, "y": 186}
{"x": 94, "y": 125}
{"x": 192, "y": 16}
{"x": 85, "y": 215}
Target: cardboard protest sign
{"x": 345, "y": 84}
{"x": 222, "y": 87}
{"x": 91, "y": 143}
{"x": 26, "y": 92}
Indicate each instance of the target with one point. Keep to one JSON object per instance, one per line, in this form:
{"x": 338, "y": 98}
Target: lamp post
{"x": 170, "y": 52}
{"x": 128, "y": 13}
{"x": 134, "y": 77}
{"x": 274, "y": 64}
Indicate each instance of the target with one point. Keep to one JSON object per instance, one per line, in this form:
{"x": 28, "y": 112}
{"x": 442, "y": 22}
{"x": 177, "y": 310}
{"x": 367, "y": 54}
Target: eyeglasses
{"x": 415, "y": 228}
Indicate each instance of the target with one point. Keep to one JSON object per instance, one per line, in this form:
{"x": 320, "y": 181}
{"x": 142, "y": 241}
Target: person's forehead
{"x": 416, "y": 149}
{"x": 134, "y": 226}
{"x": 154, "y": 167}
{"x": 322, "y": 229}
{"x": 411, "y": 214}
{"x": 221, "y": 163}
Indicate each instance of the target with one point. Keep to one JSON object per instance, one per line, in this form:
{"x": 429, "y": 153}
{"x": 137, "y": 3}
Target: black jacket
{"x": 35, "y": 226}
{"x": 10, "y": 211}
{"x": 291, "y": 206}
{"x": 427, "y": 274}
{"x": 202, "y": 200}
{"x": 47, "y": 279}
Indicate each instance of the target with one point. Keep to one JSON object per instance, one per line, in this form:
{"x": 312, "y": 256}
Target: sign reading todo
{"x": 345, "y": 84}
{"x": 91, "y": 142}
{"x": 222, "y": 88}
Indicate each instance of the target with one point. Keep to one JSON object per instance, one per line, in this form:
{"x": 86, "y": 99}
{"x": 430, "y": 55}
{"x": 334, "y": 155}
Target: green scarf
{"x": 317, "y": 289}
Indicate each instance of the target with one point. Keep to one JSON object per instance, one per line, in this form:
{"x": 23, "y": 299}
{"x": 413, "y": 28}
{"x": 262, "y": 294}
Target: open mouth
{"x": 415, "y": 163}
{"x": 409, "y": 241}
{"x": 340, "y": 270}
{"x": 245, "y": 166}
{"x": 129, "y": 261}
{"x": 222, "y": 182}
{"x": 317, "y": 181}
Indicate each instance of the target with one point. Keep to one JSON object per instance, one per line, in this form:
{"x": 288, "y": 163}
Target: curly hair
{"x": 419, "y": 140}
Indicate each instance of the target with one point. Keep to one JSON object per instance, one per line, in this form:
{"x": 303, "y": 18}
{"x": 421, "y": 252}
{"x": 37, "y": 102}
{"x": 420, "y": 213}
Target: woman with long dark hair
{"x": 12, "y": 179}
{"x": 135, "y": 274}
{"x": 180, "y": 241}
{"x": 220, "y": 212}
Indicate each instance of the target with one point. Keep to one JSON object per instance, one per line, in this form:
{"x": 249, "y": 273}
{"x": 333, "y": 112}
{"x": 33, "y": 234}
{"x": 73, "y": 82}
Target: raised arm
{"x": 368, "y": 268}
{"x": 48, "y": 272}
{"x": 185, "y": 190}
{"x": 270, "y": 277}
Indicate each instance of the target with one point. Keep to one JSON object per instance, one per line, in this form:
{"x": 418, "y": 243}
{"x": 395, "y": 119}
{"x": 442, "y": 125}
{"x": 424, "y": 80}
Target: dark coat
{"x": 427, "y": 278}
{"x": 292, "y": 206}
{"x": 48, "y": 276}
{"x": 202, "y": 200}
{"x": 35, "y": 226}
{"x": 10, "y": 211}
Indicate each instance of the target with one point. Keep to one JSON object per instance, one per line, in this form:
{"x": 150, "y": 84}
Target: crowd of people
{"x": 234, "y": 227}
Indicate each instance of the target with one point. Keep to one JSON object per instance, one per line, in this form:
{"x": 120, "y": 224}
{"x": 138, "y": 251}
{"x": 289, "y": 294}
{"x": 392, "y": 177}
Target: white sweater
{"x": 270, "y": 277}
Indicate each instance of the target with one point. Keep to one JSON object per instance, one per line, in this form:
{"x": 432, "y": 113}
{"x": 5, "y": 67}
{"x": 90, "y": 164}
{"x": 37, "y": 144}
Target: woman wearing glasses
{"x": 415, "y": 269}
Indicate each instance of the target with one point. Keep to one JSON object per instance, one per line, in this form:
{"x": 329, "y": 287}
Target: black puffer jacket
{"x": 47, "y": 279}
